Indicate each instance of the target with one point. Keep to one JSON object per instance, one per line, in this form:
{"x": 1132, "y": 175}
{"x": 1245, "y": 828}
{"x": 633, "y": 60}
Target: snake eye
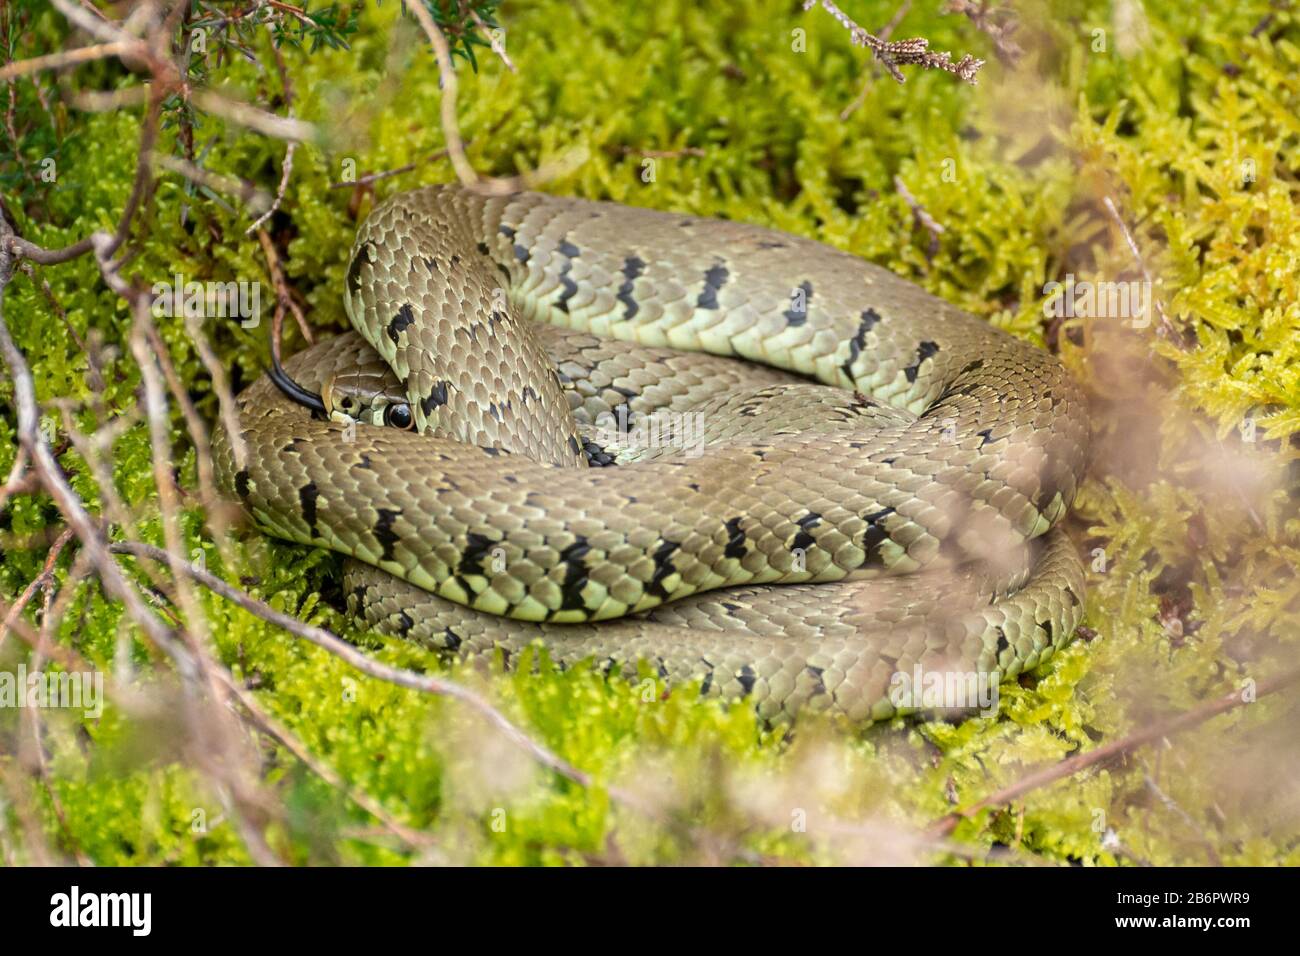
{"x": 398, "y": 416}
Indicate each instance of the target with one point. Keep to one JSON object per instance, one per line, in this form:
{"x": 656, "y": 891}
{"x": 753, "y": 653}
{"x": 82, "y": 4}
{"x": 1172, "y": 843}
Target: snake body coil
{"x": 904, "y": 504}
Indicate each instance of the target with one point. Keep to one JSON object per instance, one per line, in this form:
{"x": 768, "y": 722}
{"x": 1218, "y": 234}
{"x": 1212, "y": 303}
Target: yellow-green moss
{"x": 1197, "y": 528}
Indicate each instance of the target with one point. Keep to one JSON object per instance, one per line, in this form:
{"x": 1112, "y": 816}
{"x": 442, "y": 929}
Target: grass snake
{"x": 815, "y": 476}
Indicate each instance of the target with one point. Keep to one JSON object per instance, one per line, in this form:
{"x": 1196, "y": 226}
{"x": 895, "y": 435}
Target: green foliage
{"x": 1185, "y": 121}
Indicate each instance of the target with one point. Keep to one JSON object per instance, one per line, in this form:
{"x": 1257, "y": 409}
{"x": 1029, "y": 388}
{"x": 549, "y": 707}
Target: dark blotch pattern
{"x": 633, "y": 268}
{"x": 708, "y": 677}
{"x": 404, "y": 317}
{"x": 803, "y": 540}
{"x": 575, "y": 574}
{"x": 570, "y": 288}
{"x": 308, "y": 495}
{"x": 874, "y": 536}
{"x": 436, "y": 398}
{"x": 799, "y": 317}
{"x": 735, "y": 539}
{"x": 663, "y": 568}
{"x": 354, "y": 267}
{"x": 714, "y": 280}
{"x": 859, "y": 341}
{"x": 1049, "y": 481}
{"x": 747, "y": 678}
{"x": 477, "y": 547}
{"x": 923, "y": 352}
{"x": 384, "y": 532}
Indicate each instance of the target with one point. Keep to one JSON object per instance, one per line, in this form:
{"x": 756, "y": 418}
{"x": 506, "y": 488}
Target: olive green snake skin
{"x": 871, "y": 492}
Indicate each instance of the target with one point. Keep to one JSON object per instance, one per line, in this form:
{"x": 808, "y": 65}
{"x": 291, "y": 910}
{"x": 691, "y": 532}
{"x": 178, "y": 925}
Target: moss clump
{"x": 1182, "y": 122}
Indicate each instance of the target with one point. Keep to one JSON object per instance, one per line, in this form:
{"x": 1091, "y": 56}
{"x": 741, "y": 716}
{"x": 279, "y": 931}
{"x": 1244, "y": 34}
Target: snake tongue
{"x": 295, "y": 391}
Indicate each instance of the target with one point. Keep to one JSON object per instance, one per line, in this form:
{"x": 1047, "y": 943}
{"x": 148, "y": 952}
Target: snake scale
{"x": 872, "y": 487}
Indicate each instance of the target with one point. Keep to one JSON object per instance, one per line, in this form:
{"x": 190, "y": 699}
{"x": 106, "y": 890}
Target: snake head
{"x": 370, "y": 395}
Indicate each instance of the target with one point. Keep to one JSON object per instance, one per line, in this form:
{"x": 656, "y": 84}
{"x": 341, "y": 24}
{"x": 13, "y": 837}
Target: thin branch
{"x": 28, "y": 250}
{"x": 465, "y": 172}
{"x": 97, "y": 383}
{"x": 369, "y": 178}
{"x": 41, "y": 582}
{"x": 895, "y": 53}
{"x": 283, "y": 298}
{"x": 277, "y": 731}
{"x": 1161, "y": 728}
{"x": 50, "y": 61}
{"x": 260, "y": 121}
{"x": 35, "y": 754}
{"x": 87, "y": 530}
{"x": 286, "y": 168}
{"x": 494, "y": 40}
{"x": 921, "y": 217}
{"x": 340, "y": 648}
{"x": 997, "y": 23}
{"x": 1165, "y": 326}
{"x": 884, "y": 34}
{"x": 47, "y": 468}
{"x": 254, "y": 197}
{"x": 20, "y": 480}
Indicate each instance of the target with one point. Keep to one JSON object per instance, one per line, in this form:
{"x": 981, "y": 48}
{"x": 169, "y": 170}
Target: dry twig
{"x": 1156, "y": 731}
{"x": 998, "y": 23}
{"x": 893, "y": 54}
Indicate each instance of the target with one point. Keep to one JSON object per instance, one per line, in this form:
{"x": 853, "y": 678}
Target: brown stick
{"x": 39, "y": 583}
{"x": 895, "y": 53}
{"x": 1162, "y": 728}
{"x": 465, "y": 172}
{"x": 402, "y": 678}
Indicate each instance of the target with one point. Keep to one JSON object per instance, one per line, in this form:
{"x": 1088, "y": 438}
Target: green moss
{"x": 1194, "y": 531}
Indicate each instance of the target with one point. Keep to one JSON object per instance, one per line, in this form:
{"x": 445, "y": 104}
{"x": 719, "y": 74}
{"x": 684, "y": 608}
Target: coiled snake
{"x": 805, "y": 546}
